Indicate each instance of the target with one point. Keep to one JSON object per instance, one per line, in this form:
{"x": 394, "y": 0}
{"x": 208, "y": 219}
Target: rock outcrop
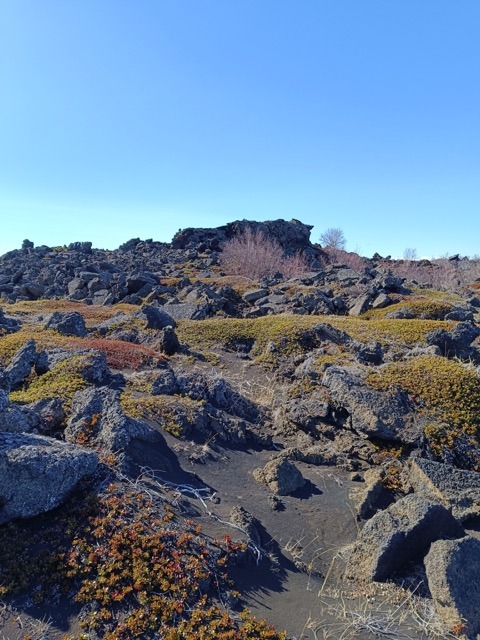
{"x": 21, "y": 364}
{"x": 457, "y": 489}
{"x": 398, "y": 535}
{"x": 70, "y": 323}
{"x": 281, "y": 476}
{"x": 97, "y": 417}
{"x": 37, "y": 473}
{"x": 372, "y": 413}
{"x": 453, "y": 568}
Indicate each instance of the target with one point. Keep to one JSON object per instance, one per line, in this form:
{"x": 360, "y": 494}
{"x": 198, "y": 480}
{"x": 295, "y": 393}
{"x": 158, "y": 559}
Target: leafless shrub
{"x": 253, "y": 255}
{"x": 441, "y": 274}
{"x": 294, "y": 266}
{"x": 349, "y": 258}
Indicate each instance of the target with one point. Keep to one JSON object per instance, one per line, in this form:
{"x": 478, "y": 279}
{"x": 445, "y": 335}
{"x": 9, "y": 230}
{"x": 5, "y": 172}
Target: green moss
{"x": 326, "y": 360}
{"x": 92, "y": 314}
{"x": 176, "y": 414}
{"x": 436, "y": 294}
{"x": 285, "y": 331}
{"x": 445, "y": 391}
{"x": 61, "y": 382}
{"x": 44, "y": 339}
{"x": 425, "y": 308}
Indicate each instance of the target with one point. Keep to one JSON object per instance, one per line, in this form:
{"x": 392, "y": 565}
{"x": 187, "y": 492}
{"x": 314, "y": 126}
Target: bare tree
{"x": 410, "y": 254}
{"x": 333, "y": 238}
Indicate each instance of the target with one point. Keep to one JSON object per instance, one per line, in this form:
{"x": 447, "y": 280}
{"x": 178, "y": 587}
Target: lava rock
{"x": 38, "y": 473}
{"x": 401, "y": 533}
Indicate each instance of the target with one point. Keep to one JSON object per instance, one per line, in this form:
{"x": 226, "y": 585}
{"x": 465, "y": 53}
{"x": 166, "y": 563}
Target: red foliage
{"x": 122, "y": 355}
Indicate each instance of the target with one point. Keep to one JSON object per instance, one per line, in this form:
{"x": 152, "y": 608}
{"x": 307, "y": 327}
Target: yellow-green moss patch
{"x": 421, "y": 307}
{"x": 285, "y": 330}
{"x": 92, "y": 314}
{"x": 446, "y": 391}
{"x": 61, "y": 382}
{"x": 175, "y": 414}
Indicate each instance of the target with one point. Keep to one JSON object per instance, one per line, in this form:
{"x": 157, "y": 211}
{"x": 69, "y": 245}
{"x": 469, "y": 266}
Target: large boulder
{"x": 91, "y": 364}
{"x": 455, "y": 343}
{"x": 218, "y": 392}
{"x": 246, "y": 523}
{"x": 8, "y": 325}
{"x": 168, "y": 341}
{"x": 385, "y": 415}
{"x": 398, "y": 535}
{"x": 21, "y": 364}
{"x": 360, "y": 305}
{"x": 457, "y": 489}
{"x": 49, "y": 412}
{"x": 305, "y": 414}
{"x": 187, "y": 311}
{"x": 12, "y": 418}
{"x": 252, "y": 295}
{"x": 37, "y": 473}
{"x": 141, "y": 282}
{"x": 154, "y": 317}
{"x": 97, "y": 418}
{"x": 165, "y": 383}
{"x": 366, "y": 496}
{"x": 453, "y": 570}
{"x": 68, "y": 324}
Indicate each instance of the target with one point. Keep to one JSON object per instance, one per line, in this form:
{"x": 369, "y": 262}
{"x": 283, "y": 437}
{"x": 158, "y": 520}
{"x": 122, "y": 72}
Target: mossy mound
{"x": 446, "y": 392}
{"x": 420, "y": 307}
{"x": 63, "y": 381}
{"x": 177, "y": 415}
{"x": 285, "y": 331}
{"x": 92, "y": 314}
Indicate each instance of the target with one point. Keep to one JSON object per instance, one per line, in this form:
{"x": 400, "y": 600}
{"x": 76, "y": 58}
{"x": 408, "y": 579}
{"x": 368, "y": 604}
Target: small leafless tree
{"x": 410, "y": 254}
{"x": 333, "y": 238}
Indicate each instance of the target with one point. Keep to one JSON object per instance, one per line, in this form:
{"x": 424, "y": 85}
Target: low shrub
{"x": 120, "y": 354}
{"x": 284, "y": 330}
{"x": 136, "y": 571}
{"x": 175, "y": 414}
{"x": 253, "y": 255}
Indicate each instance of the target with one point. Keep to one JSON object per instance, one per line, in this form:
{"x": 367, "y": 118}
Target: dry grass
{"x": 389, "y": 612}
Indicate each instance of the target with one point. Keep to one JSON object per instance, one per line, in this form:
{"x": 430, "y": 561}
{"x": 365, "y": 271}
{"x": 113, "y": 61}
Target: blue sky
{"x": 134, "y": 118}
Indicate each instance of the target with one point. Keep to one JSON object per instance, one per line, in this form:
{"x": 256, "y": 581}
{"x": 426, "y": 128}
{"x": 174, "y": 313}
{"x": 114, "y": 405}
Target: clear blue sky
{"x": 134, "y": 118}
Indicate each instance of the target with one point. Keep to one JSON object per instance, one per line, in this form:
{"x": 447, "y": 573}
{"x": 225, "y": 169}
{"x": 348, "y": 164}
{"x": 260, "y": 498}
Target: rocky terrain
{"x": 188, "y": 451}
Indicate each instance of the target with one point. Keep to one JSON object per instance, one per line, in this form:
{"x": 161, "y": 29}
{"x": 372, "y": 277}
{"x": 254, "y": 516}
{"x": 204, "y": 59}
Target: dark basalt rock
{"x": 68, "y": 324}
{"x": 401, "y": 533}
{"x": 21, "y": 364}
{"x": 37, "y": 473}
